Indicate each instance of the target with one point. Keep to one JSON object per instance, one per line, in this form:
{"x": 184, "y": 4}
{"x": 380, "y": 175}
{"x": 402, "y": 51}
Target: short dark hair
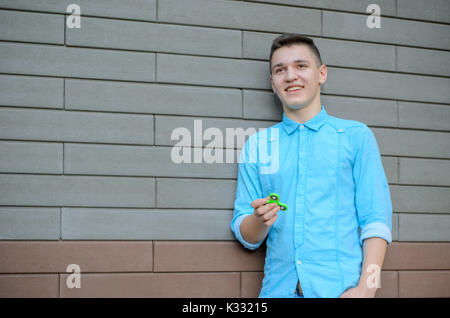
{"x": 288, "y": 39}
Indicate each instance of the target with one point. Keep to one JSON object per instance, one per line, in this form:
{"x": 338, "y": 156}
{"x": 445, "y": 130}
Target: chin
{"x": 295, "y": 106}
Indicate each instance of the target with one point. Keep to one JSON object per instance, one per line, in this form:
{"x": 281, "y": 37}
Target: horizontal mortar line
{"x": 155, "y": 52}
{"x": 79, "y": 142}
{"x": 206, "y": 179}
{"x": 182, "y": 177}
{"x": 396, "y": 16}
{"x": 387, "y": 71}
{"x": 418, "y": 157}
{"x": 116, "y": 208}
{"x": 118, "y": 175}
{"x": 382, "y": 43}
{"x": 32, "y": 43}
{"x": 424, "y": 214}
{"x": 400, "y": 243}
{"x": 65, "y": 14}
{"x": 119, "y": 273}
{"x": 420, "y": 185}
{"x": 3, "y": 274}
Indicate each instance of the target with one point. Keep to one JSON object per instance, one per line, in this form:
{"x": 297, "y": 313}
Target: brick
{"x": 390, "y": 165}
{"x": 373, "y": 112}
{"x": 33, "y": 59}
{"x": 31, "y": 157}
{"x": 415, "y": 143}
{"x": 185, "y": 256}
{"x": 129, "y": 224}
{"x": 261, "y": 105}
{"x": 31, "y": 27}
{"x": 421, "y": 227}
{"x": 387, "y": 85}
{"x": 166, "y": 125}
{"x": 195, "y": 193}
{"x": 27, "y": 91}
{"x": 93, "y": 256}
{"x": 417, "y": 256}
{"x": 392, "y": 31}
{"x": 133, "y": 9}
{"x": 424, "y": 171}
{"x": 251, "y": 283}
{"x": 55, "y": 125}
{"x": 388, "y": 285}
{"x": 413, "y": 60}
{"x": 174, "y": 285}
{"x": 349, "y": 5}
{"x": 423, "y": 116}
{"x": 394, "y": 226}
{"x": 45, "y": 190}
{"x": 420, "y": 284}
{"x": 333, "y": 52}
{"x": 29, "y": 286}
{"x": 137, "y": 161}
{"x": 266, "y": 106}
{"x": 165, "y": 99}
{"x": 434, "y": 10}
{"x": 17, "y": 223}
{"x": 155, "y": 37}
{"x": 419, "y": 199}
{"x": 196, "y": 70}
{"x": 241, "y": 15}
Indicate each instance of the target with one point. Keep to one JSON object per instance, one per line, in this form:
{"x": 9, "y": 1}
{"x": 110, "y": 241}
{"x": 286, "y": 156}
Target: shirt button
{"x": 301, "y": 126}
{"x": 299, "y": 262}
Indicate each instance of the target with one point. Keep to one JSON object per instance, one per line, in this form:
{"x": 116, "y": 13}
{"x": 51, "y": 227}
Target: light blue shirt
{"x": 329, "y": 172}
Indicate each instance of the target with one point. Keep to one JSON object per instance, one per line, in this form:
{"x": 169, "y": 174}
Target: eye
{"x": 278, "y": 70}
{"x": 301, "y": 65}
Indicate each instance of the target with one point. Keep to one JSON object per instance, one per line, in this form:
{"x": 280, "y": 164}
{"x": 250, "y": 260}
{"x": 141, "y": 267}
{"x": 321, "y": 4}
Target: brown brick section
{"x": 188, "y": 269}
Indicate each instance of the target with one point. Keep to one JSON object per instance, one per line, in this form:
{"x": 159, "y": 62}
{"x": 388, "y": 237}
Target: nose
{"x": 291, "y": 74}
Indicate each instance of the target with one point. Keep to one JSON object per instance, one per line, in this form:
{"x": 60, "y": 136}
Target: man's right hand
{"x": 265, "y": 213}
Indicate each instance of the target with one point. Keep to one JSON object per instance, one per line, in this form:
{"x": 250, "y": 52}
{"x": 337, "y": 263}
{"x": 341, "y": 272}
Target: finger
{"x": 262, "y": 210}
{"x": 259, "y": 202}
{"x": 271, "y": 221}
{"x": 271, "y": 213}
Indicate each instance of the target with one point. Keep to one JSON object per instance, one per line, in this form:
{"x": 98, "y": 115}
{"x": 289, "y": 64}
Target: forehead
{"x": 289, "y": 54}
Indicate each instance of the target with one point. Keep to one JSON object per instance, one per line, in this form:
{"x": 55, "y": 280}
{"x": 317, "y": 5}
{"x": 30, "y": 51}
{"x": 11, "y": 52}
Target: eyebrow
{"x": 296, "y": 61}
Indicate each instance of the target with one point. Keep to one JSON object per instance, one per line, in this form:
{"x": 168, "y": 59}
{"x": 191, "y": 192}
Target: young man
{"x": 330, "y": 175}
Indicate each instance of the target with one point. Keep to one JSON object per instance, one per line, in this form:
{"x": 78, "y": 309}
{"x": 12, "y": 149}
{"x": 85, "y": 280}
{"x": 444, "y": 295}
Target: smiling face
{"x": 296, "y": 76}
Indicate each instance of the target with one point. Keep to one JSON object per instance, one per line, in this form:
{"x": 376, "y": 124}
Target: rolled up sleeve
{"x": 248, "y": 189}
{"x": 372, "y": 195}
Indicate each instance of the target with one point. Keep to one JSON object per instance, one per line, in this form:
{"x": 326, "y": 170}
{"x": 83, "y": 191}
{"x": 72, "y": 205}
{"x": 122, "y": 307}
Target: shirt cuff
{"x": 376, "y": 229}
{"x": 237, "y": 233}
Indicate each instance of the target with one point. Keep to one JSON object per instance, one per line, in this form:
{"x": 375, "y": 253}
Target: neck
{"x": 304, "y": 114}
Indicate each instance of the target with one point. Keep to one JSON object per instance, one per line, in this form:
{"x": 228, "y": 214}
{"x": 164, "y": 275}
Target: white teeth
{"x": 293, "y": 89}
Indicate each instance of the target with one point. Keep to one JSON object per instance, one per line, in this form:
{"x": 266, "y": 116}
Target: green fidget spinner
{"x": 275, "y": 198}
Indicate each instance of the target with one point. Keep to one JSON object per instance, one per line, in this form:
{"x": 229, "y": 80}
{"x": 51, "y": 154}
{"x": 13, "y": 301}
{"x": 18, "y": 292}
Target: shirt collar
{"x": 314, "y": 123}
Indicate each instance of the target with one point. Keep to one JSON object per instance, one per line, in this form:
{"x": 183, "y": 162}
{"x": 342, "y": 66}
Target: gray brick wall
{"x": 86, "y": 114}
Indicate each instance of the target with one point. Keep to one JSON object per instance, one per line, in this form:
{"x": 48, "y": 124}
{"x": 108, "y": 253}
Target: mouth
{"x": 293, "y": 89}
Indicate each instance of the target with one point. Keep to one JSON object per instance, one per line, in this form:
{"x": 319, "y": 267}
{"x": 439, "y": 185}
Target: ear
{"x": 323, "y": 72}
